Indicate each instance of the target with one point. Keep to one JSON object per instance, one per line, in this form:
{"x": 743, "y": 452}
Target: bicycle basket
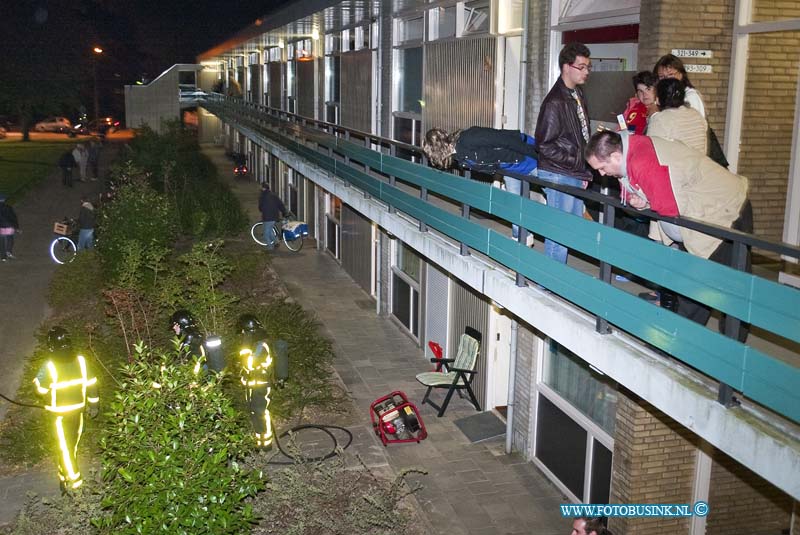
{"x": 61, "y": 228}
{"x": 295, "y": 229}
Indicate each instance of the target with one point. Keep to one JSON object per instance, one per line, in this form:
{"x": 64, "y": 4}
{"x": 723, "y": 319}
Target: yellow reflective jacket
{"x": 256, "y": 367}
{"x": 67, "y": 384}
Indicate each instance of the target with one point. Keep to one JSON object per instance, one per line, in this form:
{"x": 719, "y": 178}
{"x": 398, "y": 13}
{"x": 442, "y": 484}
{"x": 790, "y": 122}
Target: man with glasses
{"x": 562, "y": 132}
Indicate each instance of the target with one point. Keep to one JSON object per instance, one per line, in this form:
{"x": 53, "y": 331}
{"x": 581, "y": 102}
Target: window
{"x": 592, "y": 393}
{"x": 405, "y": 287}
{"x": 442, "y": 23}
{"x": 476, "y": 17}
{"x": 410, "y": 30}
{"x": 409, "y": 262}
{"x": 409, "y": 90}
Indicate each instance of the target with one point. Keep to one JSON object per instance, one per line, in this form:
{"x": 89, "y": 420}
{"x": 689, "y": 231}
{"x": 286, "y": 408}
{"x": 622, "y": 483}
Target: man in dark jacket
{"x": 86, "y": 225}
{"x": 562, "y": 132}
{"x": 66, "y": 163}
{"x": 8, "y": 226}
{"x": 272, "y": 210}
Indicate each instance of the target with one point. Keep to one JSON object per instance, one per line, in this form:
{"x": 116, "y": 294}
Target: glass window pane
{"x": 561, "y": 445}
{"x": 411, "y": 30}
{"x": 601, "y": 473}
{"x": 590, "y": 392}
{"x": 401, "y": 302}
{"x": 447, "y": 22}
{"x": 409, "y": 262}
{"x": 476, "y": 17}
{"x": 410, "y": 85}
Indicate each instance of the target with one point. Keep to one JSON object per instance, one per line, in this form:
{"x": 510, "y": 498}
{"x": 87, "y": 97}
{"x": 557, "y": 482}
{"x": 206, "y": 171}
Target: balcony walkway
{"x": 470, "y": 488}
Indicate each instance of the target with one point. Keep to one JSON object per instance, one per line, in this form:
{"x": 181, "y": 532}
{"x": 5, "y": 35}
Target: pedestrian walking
{"x": 67, "y": 164}
{"x": 9, "y": 225}
{"x": 81, "y": 159}
{"x": 94, "y": 159}
{"x": 86, "y": 225}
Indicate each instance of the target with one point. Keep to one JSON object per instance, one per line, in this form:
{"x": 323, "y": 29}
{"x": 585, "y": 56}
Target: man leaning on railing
{"x": 674, "y": 180}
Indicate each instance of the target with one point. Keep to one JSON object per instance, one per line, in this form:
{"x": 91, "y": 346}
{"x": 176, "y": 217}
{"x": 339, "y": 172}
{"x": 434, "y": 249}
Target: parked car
{"x": 96, "y": 127}
{"x": 53, "y": 124}
{"x": 8, "y": 122}
{"x": 2, "y": 132}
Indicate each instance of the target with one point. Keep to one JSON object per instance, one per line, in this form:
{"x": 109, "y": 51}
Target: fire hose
{"x": 21, "y": 404}
{"x": 325, "y": 429}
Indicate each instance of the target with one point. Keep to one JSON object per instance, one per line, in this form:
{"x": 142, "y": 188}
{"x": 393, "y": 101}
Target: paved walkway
{"x": 470, "y": 488}
{"x": 23, "y": 305}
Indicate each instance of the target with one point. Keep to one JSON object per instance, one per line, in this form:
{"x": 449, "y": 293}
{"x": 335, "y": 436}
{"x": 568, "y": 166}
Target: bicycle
{"x": 63, "y": 248}
{"x": 291, "y": 233}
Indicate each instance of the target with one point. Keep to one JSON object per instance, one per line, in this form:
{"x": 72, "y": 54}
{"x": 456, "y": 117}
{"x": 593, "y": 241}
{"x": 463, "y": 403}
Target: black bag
{"x": 715, "y": 150}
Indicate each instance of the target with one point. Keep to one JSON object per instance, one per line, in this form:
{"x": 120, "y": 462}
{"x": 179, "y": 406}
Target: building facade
{"x": 610, "y": 415}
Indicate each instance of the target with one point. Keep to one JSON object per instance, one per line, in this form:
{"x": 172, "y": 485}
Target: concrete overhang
{"x": 767, "y": 444}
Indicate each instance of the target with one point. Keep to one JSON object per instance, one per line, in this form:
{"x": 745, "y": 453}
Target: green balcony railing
{"x": 775, "y": 308}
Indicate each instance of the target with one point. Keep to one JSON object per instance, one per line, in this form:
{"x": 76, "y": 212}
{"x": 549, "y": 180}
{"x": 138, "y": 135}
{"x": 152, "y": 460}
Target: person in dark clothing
{"x": 94, "y": 159}
{"x": 562, "y": 131}
{"x": 66, "y": 163}
{"x": 9, "y": 225}
{"x": 272, "y": 210}
{"x": 86, "y": 225}
{"x": 485, "y": 150}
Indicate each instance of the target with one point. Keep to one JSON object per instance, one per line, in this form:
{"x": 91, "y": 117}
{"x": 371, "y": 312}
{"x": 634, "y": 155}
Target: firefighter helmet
{"x": 248, "y": 323}
{"x": 183, "y": 319}
{"x": 58, "y": 338}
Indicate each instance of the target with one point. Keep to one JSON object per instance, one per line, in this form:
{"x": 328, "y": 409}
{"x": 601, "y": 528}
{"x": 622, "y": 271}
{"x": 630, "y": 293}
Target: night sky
{"x": 46, "y": 45}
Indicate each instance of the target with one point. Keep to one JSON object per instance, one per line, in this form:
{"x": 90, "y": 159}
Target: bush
{"x": 136, "y": 213}
{"x": 77, "y": 282}
{"x": 171, "y": 457}
{"x": 174, "y": 165}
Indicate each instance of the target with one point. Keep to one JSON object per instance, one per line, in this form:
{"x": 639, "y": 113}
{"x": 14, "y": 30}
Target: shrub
{"x": 171, "y": 457}
{"x": 137, "y": 213}
{"x": 77, "y": 282}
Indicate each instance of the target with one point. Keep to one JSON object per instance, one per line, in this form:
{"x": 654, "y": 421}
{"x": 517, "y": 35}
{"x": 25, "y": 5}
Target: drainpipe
{"x": 523, "y": 87}
{"x": 511, "y": 376}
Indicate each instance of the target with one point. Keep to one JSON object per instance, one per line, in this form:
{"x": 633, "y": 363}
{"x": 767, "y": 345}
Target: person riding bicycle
{"x": 257, "y": 377}
{"x": 272, "y": 210}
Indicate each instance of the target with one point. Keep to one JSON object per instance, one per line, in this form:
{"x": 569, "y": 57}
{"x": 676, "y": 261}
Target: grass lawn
{"x": 24, "y": 164}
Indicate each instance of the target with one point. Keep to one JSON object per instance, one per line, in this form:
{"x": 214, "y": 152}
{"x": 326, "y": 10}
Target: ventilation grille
{"x": 459, "y": 83}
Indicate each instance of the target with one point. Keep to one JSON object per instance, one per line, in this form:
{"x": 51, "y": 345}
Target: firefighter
{"x": 66, "y": 385}
{"x": 191, "y": 339}
{"x": 256, "y": 377}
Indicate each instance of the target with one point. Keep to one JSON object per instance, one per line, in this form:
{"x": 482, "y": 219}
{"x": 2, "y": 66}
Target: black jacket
{"x": 8, "y": 217}
{"x": 86, "y": 217}
{"x": 67, "y": 160}
{"x": 490, "y": 149}
{"x": 271, "y": 206}
{"x": 558, "y": 133}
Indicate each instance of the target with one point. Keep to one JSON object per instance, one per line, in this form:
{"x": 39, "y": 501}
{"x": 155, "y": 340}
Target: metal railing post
{"x": 601, "y": 325}
{"x": 522, "y": 237}
{"x": 392, "y": 178}
{"x": 731, "y": 325}
{"x": 463, "y": 249}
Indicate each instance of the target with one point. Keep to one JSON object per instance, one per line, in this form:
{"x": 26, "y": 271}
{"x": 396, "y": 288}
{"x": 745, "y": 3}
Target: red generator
{"x": 395, "y": 419}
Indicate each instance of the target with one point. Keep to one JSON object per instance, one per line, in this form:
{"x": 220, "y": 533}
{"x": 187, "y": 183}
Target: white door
{"x": 498, "y": 357}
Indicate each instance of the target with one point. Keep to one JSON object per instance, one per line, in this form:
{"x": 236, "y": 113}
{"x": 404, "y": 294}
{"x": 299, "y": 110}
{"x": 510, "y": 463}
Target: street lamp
{"x": 97, "y": 51}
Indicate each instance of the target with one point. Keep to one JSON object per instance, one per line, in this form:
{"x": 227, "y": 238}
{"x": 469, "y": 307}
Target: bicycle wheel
{"x": 257, "y": 233}
{"x": 62, "y": 250}
{"x": 293, "y": 244}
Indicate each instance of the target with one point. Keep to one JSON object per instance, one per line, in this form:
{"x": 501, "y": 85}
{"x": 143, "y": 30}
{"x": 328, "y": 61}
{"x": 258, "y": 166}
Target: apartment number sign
{"x": 693, "y": 53}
